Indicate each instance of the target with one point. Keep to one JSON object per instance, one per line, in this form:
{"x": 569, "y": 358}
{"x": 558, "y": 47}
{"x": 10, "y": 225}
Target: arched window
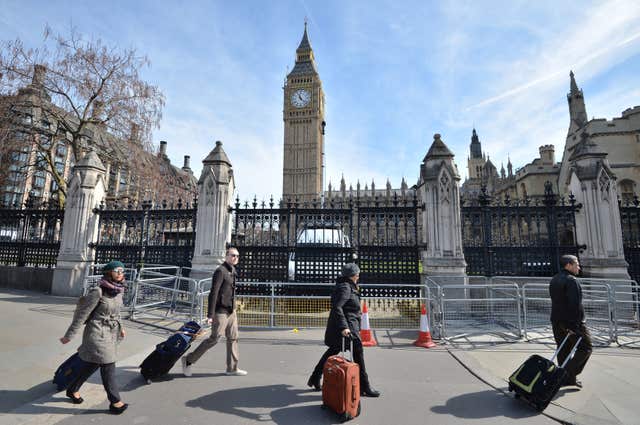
{"x": 626, "y": 189}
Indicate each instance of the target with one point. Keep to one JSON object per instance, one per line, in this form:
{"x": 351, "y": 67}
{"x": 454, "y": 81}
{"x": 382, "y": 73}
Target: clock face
{"x": 300, "y": 98}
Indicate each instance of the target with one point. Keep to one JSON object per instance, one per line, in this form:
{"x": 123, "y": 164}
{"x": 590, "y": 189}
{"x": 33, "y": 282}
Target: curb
{"x": 498, "y": 384}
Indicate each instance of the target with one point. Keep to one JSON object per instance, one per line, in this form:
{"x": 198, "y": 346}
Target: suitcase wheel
{"x": 148, "y": 381}
{"x": 345, "y": 417}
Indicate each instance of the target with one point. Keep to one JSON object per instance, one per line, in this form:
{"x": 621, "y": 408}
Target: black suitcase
{"x": 67, "y": 371}
{"x": 167, "y": 353}
{"x": 538, "y": 380}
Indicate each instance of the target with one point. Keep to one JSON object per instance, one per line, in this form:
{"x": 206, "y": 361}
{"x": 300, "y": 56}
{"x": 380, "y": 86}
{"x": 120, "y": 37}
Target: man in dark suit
{"x": 221, "y": 315}
{"x": 567, "y": 316}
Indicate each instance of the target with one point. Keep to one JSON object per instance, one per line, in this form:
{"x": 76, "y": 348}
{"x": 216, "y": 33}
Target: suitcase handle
{"x": 573, "y": 350}
{"x": 343, "y": 352}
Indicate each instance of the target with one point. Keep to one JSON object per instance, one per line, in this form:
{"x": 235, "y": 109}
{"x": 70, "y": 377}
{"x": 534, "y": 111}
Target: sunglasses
{"x": 118, "y": 271}
{"x": 234, "y": 255}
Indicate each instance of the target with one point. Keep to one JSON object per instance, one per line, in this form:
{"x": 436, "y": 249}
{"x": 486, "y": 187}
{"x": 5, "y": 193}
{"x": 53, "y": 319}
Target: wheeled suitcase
{"x": 67, "y": 371}
{"x": 538, "y": 380}
{"x": 167, "y": 353}
{"x": 341, "y": 385}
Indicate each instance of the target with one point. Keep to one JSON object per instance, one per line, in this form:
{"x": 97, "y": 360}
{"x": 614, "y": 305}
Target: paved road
{"x": 418, "y": 386}
{"x": 464, "y": 384}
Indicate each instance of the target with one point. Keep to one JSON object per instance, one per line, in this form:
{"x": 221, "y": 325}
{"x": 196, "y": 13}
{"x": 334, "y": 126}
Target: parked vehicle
{"x": 319, "y": 254}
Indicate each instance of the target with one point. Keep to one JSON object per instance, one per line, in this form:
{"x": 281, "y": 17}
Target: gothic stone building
{"x": 619, "y": 138}
{"x": 27, "y": 128}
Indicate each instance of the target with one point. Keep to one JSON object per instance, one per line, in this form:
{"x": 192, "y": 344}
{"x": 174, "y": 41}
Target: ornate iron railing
{"x": 518, "y": 238}
{"x": 309, "y": 243}
{"x": 30, "y": 236}
{"x": 630, "y": 220}
{"x": 146, "y": 234}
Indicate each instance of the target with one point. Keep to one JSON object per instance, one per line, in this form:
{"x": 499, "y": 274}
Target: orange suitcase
{"x": 341, "y": 386}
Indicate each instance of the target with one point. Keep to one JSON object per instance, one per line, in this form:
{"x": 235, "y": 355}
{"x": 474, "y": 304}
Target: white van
{"x": 319, "y": 254}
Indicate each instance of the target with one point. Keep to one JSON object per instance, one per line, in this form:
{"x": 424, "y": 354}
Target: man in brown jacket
{"x": 221, "y": 315}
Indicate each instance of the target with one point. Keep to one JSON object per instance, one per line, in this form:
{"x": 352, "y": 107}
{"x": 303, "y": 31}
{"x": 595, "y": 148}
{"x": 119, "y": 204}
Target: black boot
{"x": 314, "y": 382}
{"x": 368, "y": 391}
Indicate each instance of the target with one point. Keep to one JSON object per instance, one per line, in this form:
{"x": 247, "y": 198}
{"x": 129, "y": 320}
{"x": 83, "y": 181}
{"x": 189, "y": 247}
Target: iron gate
{"x": 144, "y": 234}
{"x": 521, "y": 238}
{"x": 630, "y": 220}
{"x": 310, "y": 243}
{"x": 30, "y": 236}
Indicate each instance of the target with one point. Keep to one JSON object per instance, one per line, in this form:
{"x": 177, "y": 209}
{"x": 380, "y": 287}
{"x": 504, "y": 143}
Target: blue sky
{"x": 394, "y": 73}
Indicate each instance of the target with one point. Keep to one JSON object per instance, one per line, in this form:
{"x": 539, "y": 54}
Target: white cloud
{"x": 529, "y": 108}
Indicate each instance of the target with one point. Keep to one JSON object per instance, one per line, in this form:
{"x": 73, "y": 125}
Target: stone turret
{"x": 440, "y": 193}
{"x": 215, "y": 195}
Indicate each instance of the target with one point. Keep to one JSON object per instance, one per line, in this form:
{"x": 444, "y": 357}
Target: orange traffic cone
{"x": 424, "y": 336}
{"x": 365, "y": 332}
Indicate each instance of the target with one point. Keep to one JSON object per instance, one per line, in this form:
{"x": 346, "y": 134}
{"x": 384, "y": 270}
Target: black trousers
{"x": 108, "y": 375}
{"x": 358, "y": 357}
{"x": 575, "y": 366}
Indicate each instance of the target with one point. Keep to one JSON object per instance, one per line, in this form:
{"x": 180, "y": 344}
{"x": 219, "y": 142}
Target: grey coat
{"x": 100, "y": 314}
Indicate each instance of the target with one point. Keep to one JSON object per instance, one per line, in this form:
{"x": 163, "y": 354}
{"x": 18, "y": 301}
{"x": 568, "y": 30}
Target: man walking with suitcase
{"x": 221, "y": 315}
{"x": 567, "y": 316}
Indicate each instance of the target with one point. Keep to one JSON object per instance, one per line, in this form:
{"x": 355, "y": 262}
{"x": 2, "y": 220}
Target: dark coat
{"x": 223, "y": 290}
{"x": 345, "y": 312}
{"x": 566, "y": 299}
{"x": 100, "y": 315}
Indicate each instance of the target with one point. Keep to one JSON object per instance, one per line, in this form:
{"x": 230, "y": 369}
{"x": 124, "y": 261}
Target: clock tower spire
{"x": 303, "y": 116}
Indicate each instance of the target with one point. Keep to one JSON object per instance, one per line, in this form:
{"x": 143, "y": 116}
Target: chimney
{"x": 135, "y": 132}
{"x": 39, "y": 72}
{"x": 163, "y": 149}
{"x": 187, "y": 160}
{"x": 547, "y": 154}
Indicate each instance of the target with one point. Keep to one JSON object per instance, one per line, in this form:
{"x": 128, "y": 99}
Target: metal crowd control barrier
{"x": 597, "y": 306}
{"x": 265, "y": 304}
{"x": 626, "y": 312}
{"x": 161, "y": 299}
{"x": 457, "y": 307}
{"x": 472, "y": 307}
{"x": 473, "y": 310}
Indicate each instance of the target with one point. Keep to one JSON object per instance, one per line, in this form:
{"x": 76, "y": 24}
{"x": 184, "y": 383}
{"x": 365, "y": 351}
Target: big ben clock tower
{"x": 303, "y": 116}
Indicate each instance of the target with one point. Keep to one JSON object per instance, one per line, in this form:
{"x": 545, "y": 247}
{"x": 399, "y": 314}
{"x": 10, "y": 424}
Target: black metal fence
{"x": 518, "y": 238}
{"x": 30, "y": 236}
{"x": 146, "y": 234}
{"x": 630, "y": 220}
{"x": 309, "y": 243}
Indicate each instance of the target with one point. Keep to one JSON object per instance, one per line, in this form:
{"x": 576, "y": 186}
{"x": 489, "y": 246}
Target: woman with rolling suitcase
{"x": 344, "y": 321}
{"x": 99, "y": 312}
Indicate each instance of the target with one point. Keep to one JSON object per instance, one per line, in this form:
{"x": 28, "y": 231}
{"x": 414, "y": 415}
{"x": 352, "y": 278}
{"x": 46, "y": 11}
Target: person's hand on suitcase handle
{"x": 346, "y": 332}
{"x": 64, "y": 340}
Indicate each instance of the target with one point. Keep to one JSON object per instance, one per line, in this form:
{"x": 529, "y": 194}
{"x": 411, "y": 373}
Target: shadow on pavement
{"x": 484, "y": 404}
{"x": 134, "y": 380}
{"x": 282, "y": 404}
{"x": 12, "y": 399}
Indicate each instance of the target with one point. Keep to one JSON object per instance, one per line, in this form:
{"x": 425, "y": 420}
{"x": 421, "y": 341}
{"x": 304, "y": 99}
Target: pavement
{"x": 463, "y": 382}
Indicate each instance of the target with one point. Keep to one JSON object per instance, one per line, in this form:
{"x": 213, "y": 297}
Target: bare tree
{"x": 75, "y": 90}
